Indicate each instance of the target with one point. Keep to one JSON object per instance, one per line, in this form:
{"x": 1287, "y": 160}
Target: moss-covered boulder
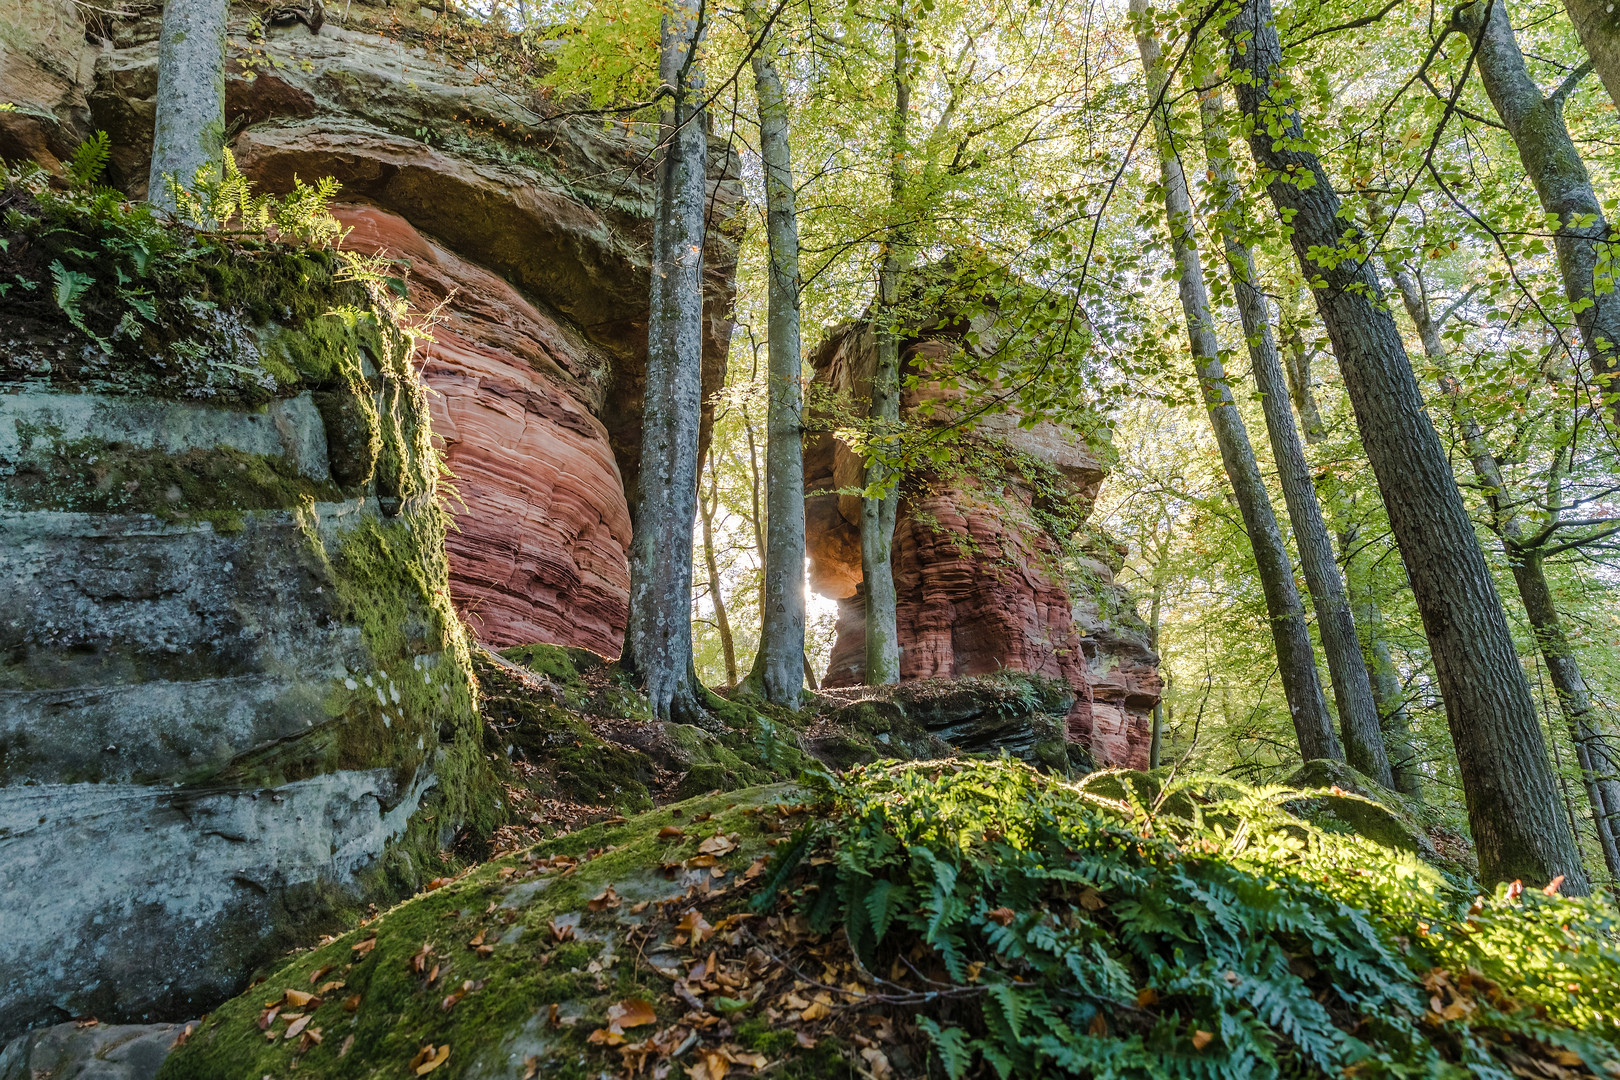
{"x": 235, "y": 703}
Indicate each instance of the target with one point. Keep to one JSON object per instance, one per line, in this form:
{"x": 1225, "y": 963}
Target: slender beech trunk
{"x": 1507, "y": 778}
{"x": 1352, "y": 689}
{"x": 658, "y": 637}
{"x": 1599, "y": 770}
{"x": 1536, "y": 123}
{"x": 189, "y": 129}
{"x": 707, "y": 506}
{"x": 1161, "y": 575}
{"x": 1296, "y": 662}
{"x": 1597, "y": 22}
{"x": 878, "y": 514}
{"x": 1388, "y": 695}
{"x": 780, "y": 665}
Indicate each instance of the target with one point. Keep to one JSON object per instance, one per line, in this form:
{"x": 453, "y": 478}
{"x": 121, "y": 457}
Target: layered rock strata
{"x": 531, "y": 228}
{"x": 234, "y": 699}
{"x": 983, "y": 584}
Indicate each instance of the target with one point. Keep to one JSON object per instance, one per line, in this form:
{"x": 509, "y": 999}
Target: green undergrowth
{"x": 1205, "y": 932}
{"x": 961, "y": 918}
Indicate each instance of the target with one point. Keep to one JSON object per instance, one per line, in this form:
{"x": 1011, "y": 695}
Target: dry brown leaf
{"x": 531, "y": 1065}
{"x": 427, "y": 1059}
{"x": 711, "y": 1065}
{"x": 604, "y": 900}
{"x": 320, "y": 973}
{"x": 878, "y": 1062}
{"x": 671, "y": 832}
{"x": 605, "y": 1037}
{"x": 478, "y": 940}
{"x": 298, "y": 999}
{"x": 1146, "y": 997}
{"x": 420, "y": 960}
{"x": 1002, "y": 915}
{"x": 806, "y": 1040}
{"x": 351, "y": 1003}
{"x": 267, "y": 1018}
{"x": 330, "y": 986}
{"x": 718, "y": 844}
{"x": 740, "y": 1056}
{"x": 1092, "y": 900}
{"x": 297, "y": 1026}
{"x": 561, "y": 931}
{"x": 1098, "y": 1026}
{"x": 755, "y": 868}
{"x": 348, "y": 1044}
{"x": 695, "y": 926}
{"x": 362, "y": 949}
{"x": 631, "y": 1012}
{"x": 437, "y": 883}
{"x": 815, "y": 1011}
{"x": 1202, "y": 1039}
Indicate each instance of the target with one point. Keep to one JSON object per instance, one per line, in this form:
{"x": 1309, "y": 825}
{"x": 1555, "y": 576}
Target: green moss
{"x": 525, "y": 972}
{"x": 95, "y": 476}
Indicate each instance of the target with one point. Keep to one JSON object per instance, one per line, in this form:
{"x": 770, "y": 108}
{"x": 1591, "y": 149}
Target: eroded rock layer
{"x": 531, "y": 230}
{"x": 983, "y": 585}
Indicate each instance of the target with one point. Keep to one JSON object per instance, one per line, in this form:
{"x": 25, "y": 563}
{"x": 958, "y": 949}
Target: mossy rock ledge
{"x": 235, "y": 703}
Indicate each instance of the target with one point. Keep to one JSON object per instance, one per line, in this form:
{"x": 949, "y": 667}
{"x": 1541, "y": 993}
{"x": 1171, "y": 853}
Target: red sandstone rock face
{"x": 542, "y": 526}
{"x": 980, "y": 583}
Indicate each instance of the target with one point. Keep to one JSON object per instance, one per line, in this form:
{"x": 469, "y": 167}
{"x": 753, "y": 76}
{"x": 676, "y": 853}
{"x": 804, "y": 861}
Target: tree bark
{"x": 779, "y": 665}
{"x": 658, "y": 636}
{"x": 707, "y": 505}
{"x": 1296, "y": 662}
{"x": 1352, "y": 689}
{"x": 878, "y": 514}
{"x": 1501, "y": 754}
{"x": 1597, "y": 23}
{"x": 1599, "y": 770}
{"x": 1161, "y": 574}
{"x": 1536, "y": 123}
{"x": 189, "y": 129}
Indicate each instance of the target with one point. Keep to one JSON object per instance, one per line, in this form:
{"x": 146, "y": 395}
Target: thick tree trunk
{"x": 707, "y": 506}
{"x": 1352, "y": 689}
{"x": 1536, "y": 123}
{"x": 189, "y": 129}
{"x": 658, "y": 637}
{"x": 1161, "y": 574}
{"x": 878, "y": 514}
{"x": 1597, "y": 22}
{"x": 1501, "y": 755}
{"x": 1296, "y": 662}
{"x": 780, "y": 664}
{"x": 1598, "y": 766}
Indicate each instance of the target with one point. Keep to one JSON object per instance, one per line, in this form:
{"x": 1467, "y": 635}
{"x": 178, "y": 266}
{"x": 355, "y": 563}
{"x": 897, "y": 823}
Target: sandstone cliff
{"x": 531, "y": 230}
{"x": 984, "y": 584}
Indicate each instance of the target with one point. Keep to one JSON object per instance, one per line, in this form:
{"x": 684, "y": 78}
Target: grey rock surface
{"x": 89, "y": 1052}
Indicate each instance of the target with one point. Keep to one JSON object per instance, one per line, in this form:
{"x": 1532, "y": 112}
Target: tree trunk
{"x": 1501, "y": 755}
{"x": 189, "y": 129}
{"x": 1388, "y": 696}
{"x": 706, "y": 511}
{"x": 780, "y": 664}
{"x": 878, "y": 514}
{"x": 1536, "y": 123}
{"x": 1597, "y": 23}
{"x": 658, "y": 637}
{"x": 1598, "y": 767}
{"x": 1352, "y": 690}
{"x": 1161, "y": 573}
{"x": 1296, "y": 662}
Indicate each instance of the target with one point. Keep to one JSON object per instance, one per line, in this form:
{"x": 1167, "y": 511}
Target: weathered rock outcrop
{"x": 234, "y": 699}
{"x": 532, "y": 230}
{"x": 983, "y": 583}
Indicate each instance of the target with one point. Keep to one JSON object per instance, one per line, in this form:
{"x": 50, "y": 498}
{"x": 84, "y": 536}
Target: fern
{"x": 89, "y": 161}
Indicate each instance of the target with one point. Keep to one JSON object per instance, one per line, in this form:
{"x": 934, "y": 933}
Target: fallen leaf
{"x": 878, "y": 1062}
{"x": 330, "y": 986}
{"x": 711, "y": 1065}
{"x": 1146, "y": 996}
{"x": 755, "y": 869}
{"x": 427, "y": 1059}
{"x": 806, "y": 1040}
{"x": 437, "y": 883}
{"x": 320, "y": 973}
{"x": 560, "y": 931}
{"x": 1202, "y": 1039}
{"x": 605, "y": 899}
{"x": 694, "y": 925}
{"x": 297, "y": 1026}
{"x": 1098, "y": 1026}
{"x": 348, "y": 1044}
{"x": 742, "y": 1057}
{"x": 531, "y": 1065}
{"x": 1092, "y": 900}
{"x": 298, "y": 999}
{"x": 478, "y": 940}
{"x": 605, "y": 1037}
{"x": 815, "y": 1011}
{"x": 1002, "y": 915}
{"x": 267, "y": 1018}
{"x": 351, "y": 1003}
{"x": 420, "y": 960}
{"x": 554, "y": 1016}
{"x": 312, "y": 1037}
{"x": 718, "y": 844}
{"x": 1551, "y": 889}
{"x": 632, "y": 1012}
{"x": 362, "y": 949}
{"x": 700, "y": 862}
{"x": 671, "y": 832}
